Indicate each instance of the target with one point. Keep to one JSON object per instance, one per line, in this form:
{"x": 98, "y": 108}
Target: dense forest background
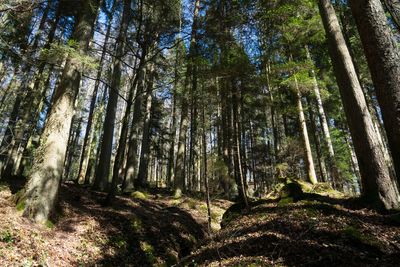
{"x": 215, "y": 98}
{"x": 149, "y": 93}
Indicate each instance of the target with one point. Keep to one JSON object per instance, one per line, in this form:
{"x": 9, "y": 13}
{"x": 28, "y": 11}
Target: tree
{"x": 383, "y": 58}
{"x": 376, "y": 183}
{"x": 103, "y": 169}
{"x": 40, "y": 193}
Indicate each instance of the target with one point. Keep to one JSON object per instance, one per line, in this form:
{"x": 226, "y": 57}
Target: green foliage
{"x": 58, "y": 53}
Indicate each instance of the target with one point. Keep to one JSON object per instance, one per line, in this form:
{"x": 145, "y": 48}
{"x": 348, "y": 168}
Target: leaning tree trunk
{"x": 393, "y": 6}
{"x": 310, "y": 169}
{"x": 383, "y": 58}
{"x": 377, "y": 185}
{"x": 333, "y": 170}
{"x": 40, "y": 193}
{"x": 103, "y": 168}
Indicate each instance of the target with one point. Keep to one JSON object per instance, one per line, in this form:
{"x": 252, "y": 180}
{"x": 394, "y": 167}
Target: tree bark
{"x": 86, "y": 148}
{"x": 179, "y": 183}
{"x": 383, "y": 58}
{"x": 377, "y": 186}
{"x": 142, "y": 181}
{"x": 41, "y": 191}
{"x": 103, "y": 168}
{"x": 310, "y": 169}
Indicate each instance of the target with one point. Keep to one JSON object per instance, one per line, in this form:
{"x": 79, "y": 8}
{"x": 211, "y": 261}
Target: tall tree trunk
{"x": 132, "y": 157}
{"x": 237, "y": 153}
{"x": 103, "y": 169}
{"x": 333, "y": 171}
{"x": 310, "y": 169}
{"x": 142, "y": 181}
{"x": 180, "y": 173}
{"x": 119, "y": 157}
{"x": 383, "y": 58}
{"x": 393, "y": 6}
{"x": 15, "y": 127}
{"x": 41, "y": 190}
{"x": 205, "y": 174}
{"x": 86, "y": 148}
{"x": 320, "y": 158}
{"x": 377, "y": 185}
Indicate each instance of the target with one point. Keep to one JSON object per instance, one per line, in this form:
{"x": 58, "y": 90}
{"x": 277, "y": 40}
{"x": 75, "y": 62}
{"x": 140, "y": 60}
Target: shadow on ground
{"x": 307, "y": 233}
{"x": 141, "y": 232}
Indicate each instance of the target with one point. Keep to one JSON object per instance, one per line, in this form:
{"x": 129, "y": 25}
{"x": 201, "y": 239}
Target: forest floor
{"x": 313, "y": 232}
{"x": 158, "y": 230}
{"x": 141, "y": 230}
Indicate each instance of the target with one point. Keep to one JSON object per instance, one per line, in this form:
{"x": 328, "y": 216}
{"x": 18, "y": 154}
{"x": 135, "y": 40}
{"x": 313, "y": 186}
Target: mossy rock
{"x": 322, "y": 187}
{"x": 292, "y": 190}
{"x": 139, "y": 195}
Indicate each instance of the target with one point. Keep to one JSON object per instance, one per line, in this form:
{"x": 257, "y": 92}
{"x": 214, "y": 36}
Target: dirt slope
{"x": 306, "y": 233}
{"x": 154, "y": 231}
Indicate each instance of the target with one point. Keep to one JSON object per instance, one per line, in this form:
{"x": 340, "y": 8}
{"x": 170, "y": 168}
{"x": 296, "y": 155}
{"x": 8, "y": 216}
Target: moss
{"x": 20, "y": 205}
{"x": 171, "y": 258}
{"x": 118, "y": 241}
{"x": 358, "y": 235}
{"x": 177, "y": 194}
{"x": 192, "y": 204}
{"x": 149, "y": 251}
{"x": 175, "y": 202}
{"x": 136, "y": 225}
{"x": 232, "y": 213}
{"x": 285, "y": 201}
{"x": 49, "y": 224}
{"x": 139, "y": 195}
{"x": 292, "y": 190}
{"x": 203, "y": 207}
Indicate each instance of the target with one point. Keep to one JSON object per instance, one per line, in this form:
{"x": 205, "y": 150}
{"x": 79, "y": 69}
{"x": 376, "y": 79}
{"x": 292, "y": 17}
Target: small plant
{"x": 136, "y": 224}
{"x": 7, "y": 237}
{"x": 148, "y": 250}
{"x": 118, "y": 241}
